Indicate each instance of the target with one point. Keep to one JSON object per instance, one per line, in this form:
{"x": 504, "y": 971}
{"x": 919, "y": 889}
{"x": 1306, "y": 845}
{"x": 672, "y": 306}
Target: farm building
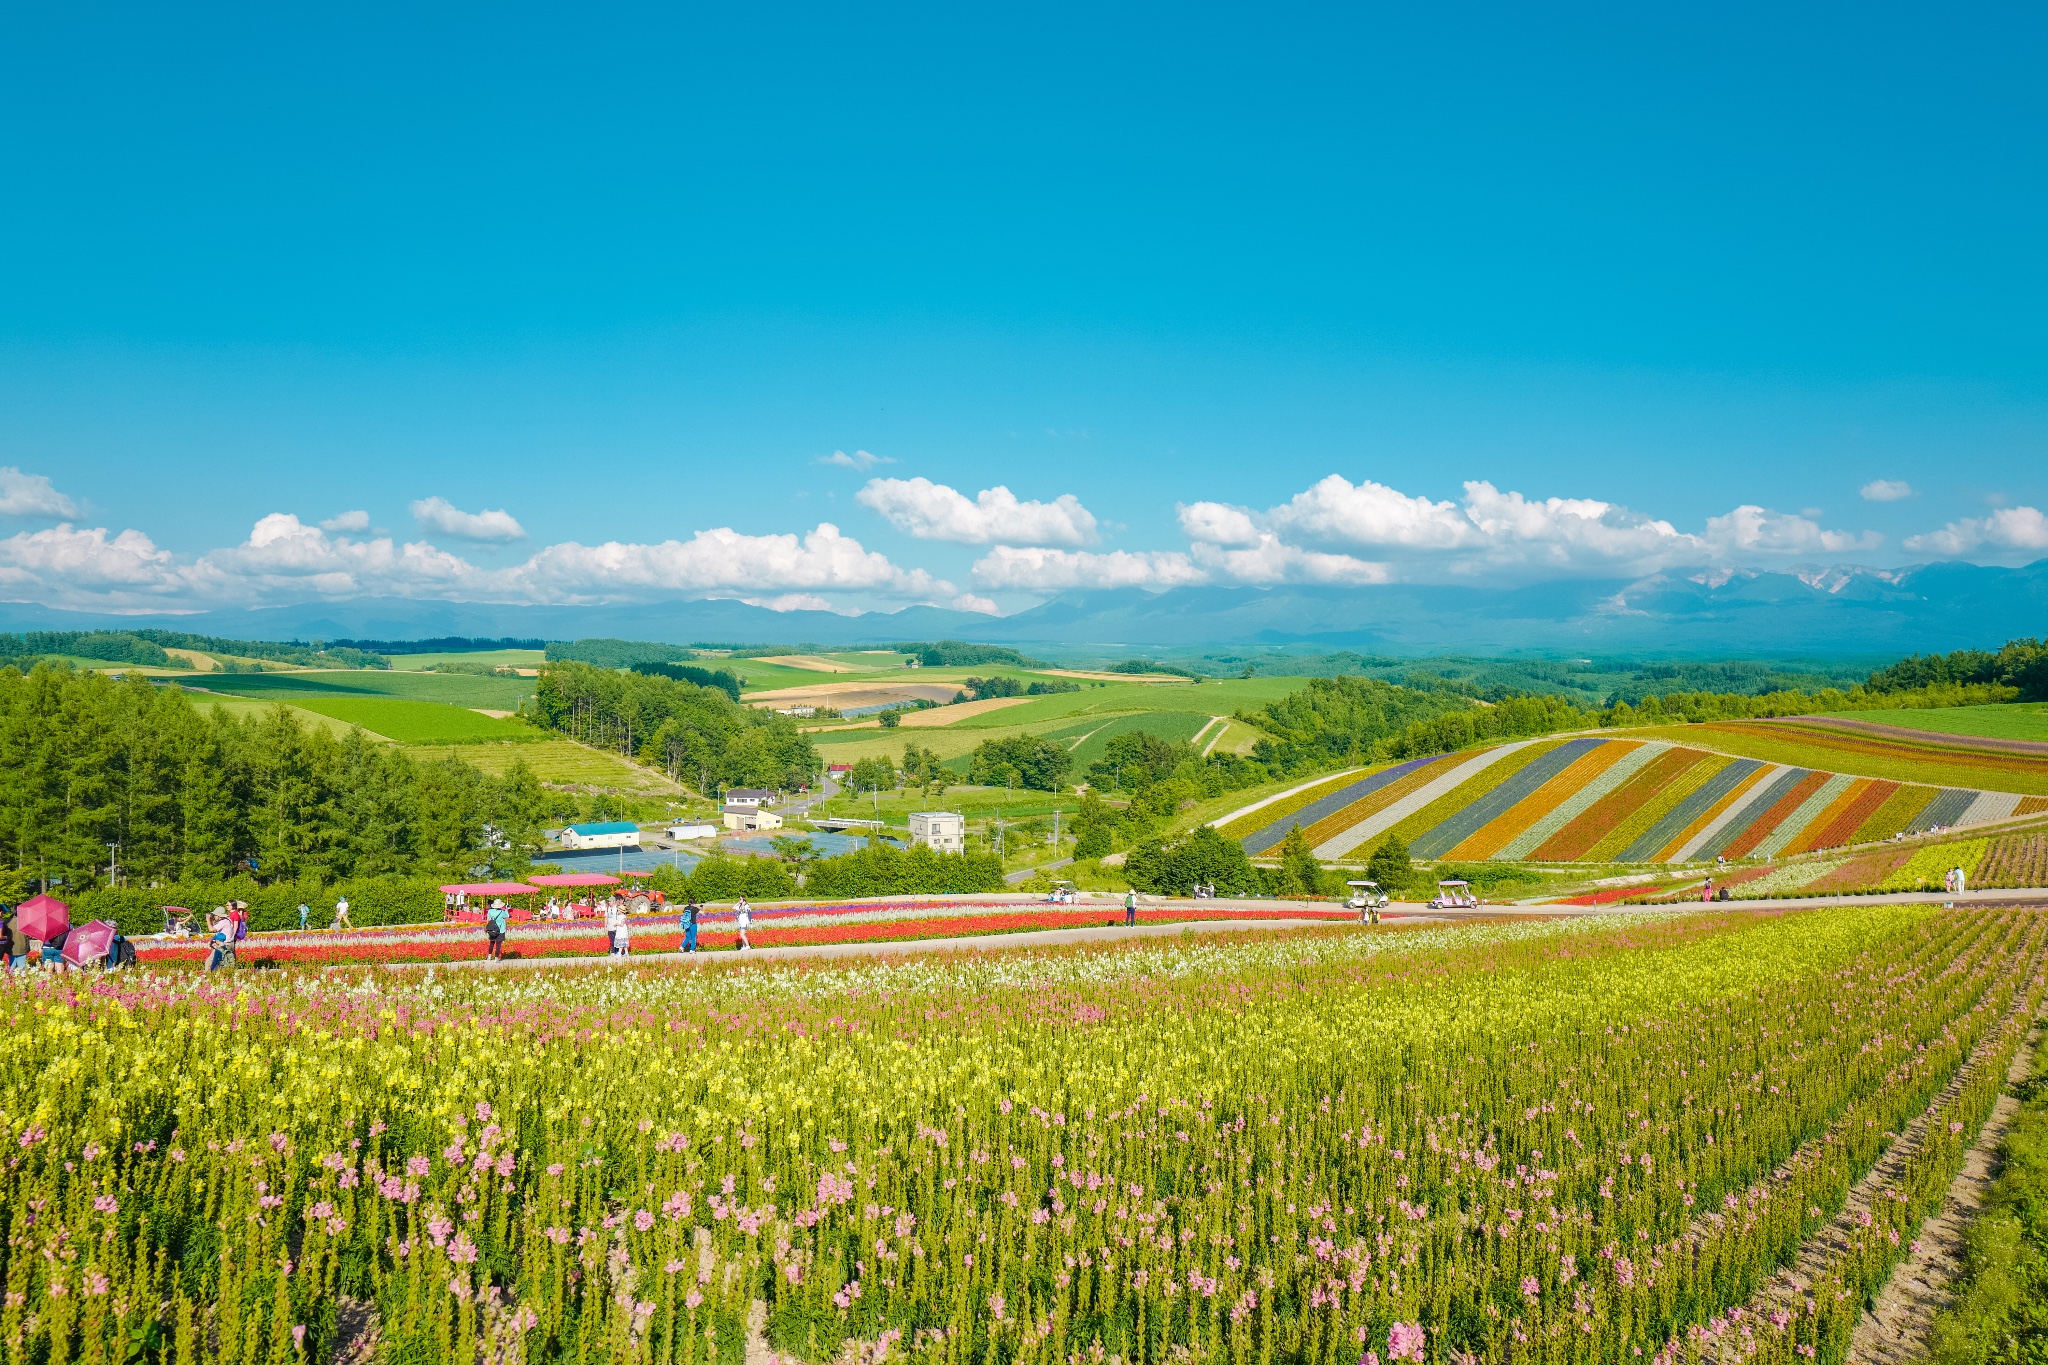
{"x": 749, "y": 796}
{"x": 751, "y": 818}
{"x": 608, "y": 834}
{"x": 692, "y": 829}
{"x": 944, "y": 831}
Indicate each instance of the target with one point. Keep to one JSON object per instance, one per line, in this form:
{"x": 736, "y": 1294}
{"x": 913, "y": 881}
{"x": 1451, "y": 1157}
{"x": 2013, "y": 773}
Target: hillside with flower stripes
{"x": 1598, "y": 799}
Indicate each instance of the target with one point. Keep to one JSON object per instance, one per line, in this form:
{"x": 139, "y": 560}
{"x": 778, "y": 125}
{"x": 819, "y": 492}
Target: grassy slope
{"x": 453, "y": 689}
{"x": 420, "y": 722}
{"x": 556, "y": 760}
{"x": 1900, "y": 763}
{"x": 2015, "y": 720}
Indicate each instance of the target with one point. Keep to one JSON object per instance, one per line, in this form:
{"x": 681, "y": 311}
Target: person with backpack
{"x": 1131, "y": 906}
{"x": 496, "y": 920}
{"x": 690, "y": 912}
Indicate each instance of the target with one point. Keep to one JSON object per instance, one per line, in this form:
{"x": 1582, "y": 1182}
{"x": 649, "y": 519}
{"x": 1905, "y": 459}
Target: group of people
{"x": 24, "y": 950}
{"x": 1955, "y": 881}
{"x": 618, "y": 926}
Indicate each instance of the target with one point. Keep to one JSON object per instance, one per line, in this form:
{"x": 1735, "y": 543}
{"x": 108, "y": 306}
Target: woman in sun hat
{"x": 495, "y": 920}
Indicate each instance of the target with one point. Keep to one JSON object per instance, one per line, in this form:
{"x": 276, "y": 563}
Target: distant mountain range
{"x": 1806, "y": 611}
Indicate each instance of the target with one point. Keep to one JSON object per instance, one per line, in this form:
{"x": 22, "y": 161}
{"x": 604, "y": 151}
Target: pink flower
{"x": 419, "y": 1165}
{"x": 643, "y": 1220}
{"x": 1405, "y": 1341}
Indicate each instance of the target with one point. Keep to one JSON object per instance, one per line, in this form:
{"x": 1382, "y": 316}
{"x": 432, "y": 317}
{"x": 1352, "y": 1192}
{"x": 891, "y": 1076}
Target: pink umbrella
{"x": 576, "y": 879}
{"x": 488, "y": 888}
{"x": 43, "y": 917}
{"x": 89, "y": 942}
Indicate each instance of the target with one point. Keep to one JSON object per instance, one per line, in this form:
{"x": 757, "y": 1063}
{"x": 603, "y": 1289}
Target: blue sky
{"x": 1254, "y": 295}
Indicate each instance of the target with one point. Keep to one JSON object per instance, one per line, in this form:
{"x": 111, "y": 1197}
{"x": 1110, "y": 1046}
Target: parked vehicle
{"x": 1368, "y": 900}
{"x": 1454, "y": 895}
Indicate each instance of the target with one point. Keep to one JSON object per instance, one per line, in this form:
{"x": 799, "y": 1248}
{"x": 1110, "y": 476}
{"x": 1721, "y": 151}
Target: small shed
{"x": 605, "y": 834}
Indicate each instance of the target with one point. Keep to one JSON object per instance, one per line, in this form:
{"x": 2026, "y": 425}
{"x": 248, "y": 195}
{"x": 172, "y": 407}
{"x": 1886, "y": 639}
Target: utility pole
{"x": 1055, "y": 831}
{"x": 113, "y": 864}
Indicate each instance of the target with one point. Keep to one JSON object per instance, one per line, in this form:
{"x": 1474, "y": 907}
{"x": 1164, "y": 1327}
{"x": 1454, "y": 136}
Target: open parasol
{"x": 575, "y": 879}
{"x": 43, "y": 917}
{"x": 89, "y": 942}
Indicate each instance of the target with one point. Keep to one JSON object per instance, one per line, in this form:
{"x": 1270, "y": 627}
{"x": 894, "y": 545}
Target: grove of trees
{"x": 699, "y": 736}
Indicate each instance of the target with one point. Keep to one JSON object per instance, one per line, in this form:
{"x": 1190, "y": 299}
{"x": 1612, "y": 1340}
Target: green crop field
{"x": 1089, "y": 739}
{"x": 242, "y": 708}
{"x": 421, "y": 722}
{"x": 494, "y": 658}
{"x": 453, "y": 689}
{"x": 2015, "y": 720}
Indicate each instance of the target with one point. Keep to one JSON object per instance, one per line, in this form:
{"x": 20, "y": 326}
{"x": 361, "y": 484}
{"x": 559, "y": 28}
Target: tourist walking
{"x": 220, "y": 928}
{"x": 745, "y": 917}
{"x": 1131, "y": 906}
{"x": 305, "y": 913}
{"x": 341, "y": 919}
{"x": 690, "y": 926}
{"x": 495, "y": 921}
{"x": 614, "y": 924}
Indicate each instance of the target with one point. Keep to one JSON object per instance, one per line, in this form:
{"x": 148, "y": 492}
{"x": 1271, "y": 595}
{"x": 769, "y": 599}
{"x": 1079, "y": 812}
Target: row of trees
{"x": 697, "y": 735}
{"x": 186, "y": 793}
{"x": 2020, "y": 664}
{"x": 150, "y": 648}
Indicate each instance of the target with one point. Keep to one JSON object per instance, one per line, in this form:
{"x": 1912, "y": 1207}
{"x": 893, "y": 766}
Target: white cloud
{"x": 353, "y": 522}
{"x": 66, "y": 567}
{"x": 1035, "y": 569}
{"x": 1368, "y": 513}
{"x": 31, "y": 495}
{"x": 1887, "y": 490}
{"x": 967, "y": 601}
{"x": 860, "y": 460}
{"x": 1217, "y": 523}
{"x": 1273, "y": 561}
{"x": 790, "y": 601}
{"x": 932, "y": 511}
{"x": 1753, "y": 530}
{"x": 2004, "y": 532}
{"x": 721, "y": 560}
{"x": 439, "y": 514}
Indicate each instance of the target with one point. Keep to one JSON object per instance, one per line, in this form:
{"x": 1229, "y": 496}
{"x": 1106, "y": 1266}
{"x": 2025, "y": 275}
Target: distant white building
{"x": 943, "y": 831}
{"x": 748, "y": 796}
{"x": 609, "y": 834}
{"x": 692, "y": 829}
{"x": 751, "y": 818}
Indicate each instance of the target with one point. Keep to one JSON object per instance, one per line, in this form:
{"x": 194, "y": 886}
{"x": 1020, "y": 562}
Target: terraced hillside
{"x": 1599, "y": 799}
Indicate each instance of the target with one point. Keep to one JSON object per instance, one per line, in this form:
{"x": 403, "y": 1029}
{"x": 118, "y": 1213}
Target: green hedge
{"x": 723, "y": 879}
{"x": 885, "y": 870}
{"x": 371, "y": 900}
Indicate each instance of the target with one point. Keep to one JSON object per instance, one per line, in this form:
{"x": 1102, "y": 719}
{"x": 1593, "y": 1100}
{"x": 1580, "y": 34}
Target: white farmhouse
{"x": 943, "y": 831}
{"x": 608, "y": 834}
{"x": 750, "y": 818}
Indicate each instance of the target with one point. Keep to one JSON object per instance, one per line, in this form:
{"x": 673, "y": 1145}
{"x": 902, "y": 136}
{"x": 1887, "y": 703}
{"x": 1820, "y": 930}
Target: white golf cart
{"x": 1368, "y": 900}
{"x": 1454, "y": 895}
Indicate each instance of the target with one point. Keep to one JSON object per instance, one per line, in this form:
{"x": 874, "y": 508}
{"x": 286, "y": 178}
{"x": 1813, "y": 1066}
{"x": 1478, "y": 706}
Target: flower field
{"x": 774, "y": 927}
{"x": 1596, "y": 799}
{"x": 1590, "y": 1140}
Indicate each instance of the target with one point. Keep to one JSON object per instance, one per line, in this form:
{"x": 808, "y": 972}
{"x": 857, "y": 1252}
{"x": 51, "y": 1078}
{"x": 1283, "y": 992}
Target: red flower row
{"x": 669, "y": 940}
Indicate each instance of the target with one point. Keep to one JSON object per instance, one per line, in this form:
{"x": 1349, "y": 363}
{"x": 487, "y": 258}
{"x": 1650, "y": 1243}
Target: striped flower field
{"x": 1597, "y": 799}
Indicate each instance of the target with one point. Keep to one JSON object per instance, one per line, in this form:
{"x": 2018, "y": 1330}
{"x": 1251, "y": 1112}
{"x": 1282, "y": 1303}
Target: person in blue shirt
{"x": 690, "y": 926}
{"x": 496, "y": 919}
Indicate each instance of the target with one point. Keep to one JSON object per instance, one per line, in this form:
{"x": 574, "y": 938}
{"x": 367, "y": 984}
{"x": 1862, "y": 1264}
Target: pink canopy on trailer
{"x": 488, "y": 889}
{"x": 576, "y": 879}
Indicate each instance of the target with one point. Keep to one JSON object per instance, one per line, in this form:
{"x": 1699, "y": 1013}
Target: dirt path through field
{"x": 1894, "y": 1330}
